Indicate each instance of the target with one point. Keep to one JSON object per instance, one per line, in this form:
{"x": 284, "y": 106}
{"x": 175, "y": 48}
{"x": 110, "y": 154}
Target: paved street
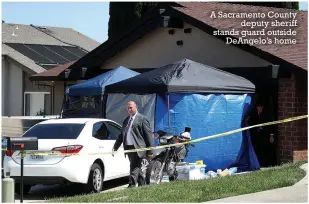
{"x": 40, "y": 193}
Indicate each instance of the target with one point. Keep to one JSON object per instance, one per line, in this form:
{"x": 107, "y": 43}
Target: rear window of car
{"x": 55, "y": 131}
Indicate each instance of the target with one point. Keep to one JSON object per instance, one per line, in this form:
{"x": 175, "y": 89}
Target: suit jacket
{"x": 141, "y": 133}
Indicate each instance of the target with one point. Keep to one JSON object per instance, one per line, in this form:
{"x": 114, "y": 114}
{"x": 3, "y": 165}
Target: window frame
{"x": 108, "y": 131}
{"x": 34, "y": 92}
{"x": 110, "y": 123}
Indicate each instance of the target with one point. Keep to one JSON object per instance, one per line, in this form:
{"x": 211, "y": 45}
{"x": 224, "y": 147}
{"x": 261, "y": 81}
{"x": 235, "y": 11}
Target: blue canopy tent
{"x": 187, "y": 93}
{"x": 85, "y": 99}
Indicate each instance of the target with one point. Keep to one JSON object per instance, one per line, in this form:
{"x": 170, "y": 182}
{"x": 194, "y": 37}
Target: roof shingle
{"x": 29, "y": 34}
{"x": 292, "y": 53}
{"x": 51, "y": 73}
{"x": 19, "y": 34}
{"x": 198, "y": 14}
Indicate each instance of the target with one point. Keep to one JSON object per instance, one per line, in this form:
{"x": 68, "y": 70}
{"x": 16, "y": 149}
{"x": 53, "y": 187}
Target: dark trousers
{"x": 265, "y": 151}
{"x": 136, "y": 174}
{"x": 259, "y": 143}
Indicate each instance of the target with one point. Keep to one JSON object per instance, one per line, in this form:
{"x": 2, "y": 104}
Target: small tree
{"x": 41, "y": 113}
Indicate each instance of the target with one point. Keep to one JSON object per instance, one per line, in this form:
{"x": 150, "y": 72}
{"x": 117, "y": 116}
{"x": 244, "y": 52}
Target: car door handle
{"x": 101, "y": 146}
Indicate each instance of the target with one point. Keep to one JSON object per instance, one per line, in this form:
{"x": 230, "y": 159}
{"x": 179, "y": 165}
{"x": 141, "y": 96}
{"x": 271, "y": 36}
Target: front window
{"x": 100, "y": 131}
{"x": 106, "y": 131}
{"x": 115, "y": 130}
{"x": 55, "y": 131}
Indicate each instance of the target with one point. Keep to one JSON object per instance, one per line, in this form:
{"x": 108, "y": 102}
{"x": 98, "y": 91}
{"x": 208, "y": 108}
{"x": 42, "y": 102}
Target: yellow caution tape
{"x": 56, "y": 153}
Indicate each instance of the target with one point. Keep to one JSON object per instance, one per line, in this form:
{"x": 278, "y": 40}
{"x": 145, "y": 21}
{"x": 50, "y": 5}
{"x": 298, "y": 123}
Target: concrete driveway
{"x": 39, "y": 193}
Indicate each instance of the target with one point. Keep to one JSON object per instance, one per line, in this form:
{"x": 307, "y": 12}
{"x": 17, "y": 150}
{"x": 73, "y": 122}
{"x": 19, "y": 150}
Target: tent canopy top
{"x": 184, "y": 76}
{"x": 96, "y": 85}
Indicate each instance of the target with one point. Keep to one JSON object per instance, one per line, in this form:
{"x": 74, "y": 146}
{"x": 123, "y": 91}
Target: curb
{"x": 303, "y": 181}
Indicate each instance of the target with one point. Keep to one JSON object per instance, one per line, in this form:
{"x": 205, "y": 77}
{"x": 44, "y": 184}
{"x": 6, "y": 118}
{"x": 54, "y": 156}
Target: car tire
{"x": 95, "y": 180}
{"x": 26, "y": 189}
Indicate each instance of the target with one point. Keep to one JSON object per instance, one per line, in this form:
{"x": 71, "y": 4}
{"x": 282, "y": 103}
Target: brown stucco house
{"x": 185, "y": 30}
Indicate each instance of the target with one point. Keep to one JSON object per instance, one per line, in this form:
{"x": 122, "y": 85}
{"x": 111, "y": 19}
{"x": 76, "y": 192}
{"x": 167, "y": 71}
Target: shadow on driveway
{"x": 41, "y": 193}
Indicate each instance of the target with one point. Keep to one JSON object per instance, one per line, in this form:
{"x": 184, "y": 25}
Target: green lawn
{"x": 201, "y": 190}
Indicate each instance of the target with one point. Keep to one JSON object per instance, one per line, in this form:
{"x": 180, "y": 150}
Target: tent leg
{"x": 103, "y": 105}
{"x": 63, "y": 103}
{"x": 168, "y": 111}
{"x": 101, "y": 109}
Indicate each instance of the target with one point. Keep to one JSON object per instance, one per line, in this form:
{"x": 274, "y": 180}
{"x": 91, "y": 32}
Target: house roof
{"x": 51, "y": 74}
{"x": 45, "y": 35}
{"x": 40, "y": 48}
{"x": 22, "y": 59}
{"x": 198, "y": 15}
{"x": 202, "y": 12}
{"x": 113, "y": 45}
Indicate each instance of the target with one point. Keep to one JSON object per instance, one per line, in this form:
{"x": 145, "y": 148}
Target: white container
{"x": 197, "y": 172}
{"x": 190, "y": 171}
{"x": 183, "y": 171}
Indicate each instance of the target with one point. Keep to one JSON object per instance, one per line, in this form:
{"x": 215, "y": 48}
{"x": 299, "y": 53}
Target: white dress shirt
{"x": 129, "y": 135}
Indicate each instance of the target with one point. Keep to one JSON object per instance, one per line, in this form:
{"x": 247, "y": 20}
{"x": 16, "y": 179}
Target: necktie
{"x": 127, "y": 128}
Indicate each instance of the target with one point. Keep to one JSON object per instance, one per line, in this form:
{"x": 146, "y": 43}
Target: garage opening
{"x": 265, "y": 109}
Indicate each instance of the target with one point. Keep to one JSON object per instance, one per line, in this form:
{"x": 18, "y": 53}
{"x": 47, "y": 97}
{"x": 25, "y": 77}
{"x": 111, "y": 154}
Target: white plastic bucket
{"x": 183, "y": 171}
{"x": 197, "y": 172}
{"x": 190, "y": 171}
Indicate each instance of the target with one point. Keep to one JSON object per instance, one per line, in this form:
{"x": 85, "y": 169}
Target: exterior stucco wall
{"x": 12, "y": 83}
{"x": 159, "y": 48}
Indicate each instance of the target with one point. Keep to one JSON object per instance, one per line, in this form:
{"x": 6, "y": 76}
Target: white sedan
{"x": 81, "y": 136}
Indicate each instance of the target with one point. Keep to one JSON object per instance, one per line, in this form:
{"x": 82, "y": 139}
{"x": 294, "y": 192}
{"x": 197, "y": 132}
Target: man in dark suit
{"x": 136, "y": 133}
{"x": 261, "y": 136}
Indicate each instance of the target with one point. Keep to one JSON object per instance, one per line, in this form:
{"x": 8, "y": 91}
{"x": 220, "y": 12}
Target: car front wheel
{"x": 95, "y": 180}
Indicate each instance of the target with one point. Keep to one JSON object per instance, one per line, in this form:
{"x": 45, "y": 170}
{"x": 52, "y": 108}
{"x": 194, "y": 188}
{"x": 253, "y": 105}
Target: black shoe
{"x": 132, "y": 186}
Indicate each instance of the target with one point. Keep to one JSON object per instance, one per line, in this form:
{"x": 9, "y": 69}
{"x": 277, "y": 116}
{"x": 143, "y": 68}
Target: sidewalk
{"x": 298, "y": 193}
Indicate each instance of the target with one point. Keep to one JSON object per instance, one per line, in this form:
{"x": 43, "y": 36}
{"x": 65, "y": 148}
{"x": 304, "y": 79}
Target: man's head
{"x": 260, "y": 106}
{"x": 132, "y": 108}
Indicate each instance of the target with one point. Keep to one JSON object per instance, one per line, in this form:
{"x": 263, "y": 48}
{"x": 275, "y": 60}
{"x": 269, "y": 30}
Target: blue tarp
{"x": 209, "y": 114}
{"x": 247, "y": 159}
{"x": 96, "y": 85}
{"x": 208, "y": 100}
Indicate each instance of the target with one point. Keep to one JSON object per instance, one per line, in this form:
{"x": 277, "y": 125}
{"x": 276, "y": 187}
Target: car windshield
{"x": 55, "y": 131}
